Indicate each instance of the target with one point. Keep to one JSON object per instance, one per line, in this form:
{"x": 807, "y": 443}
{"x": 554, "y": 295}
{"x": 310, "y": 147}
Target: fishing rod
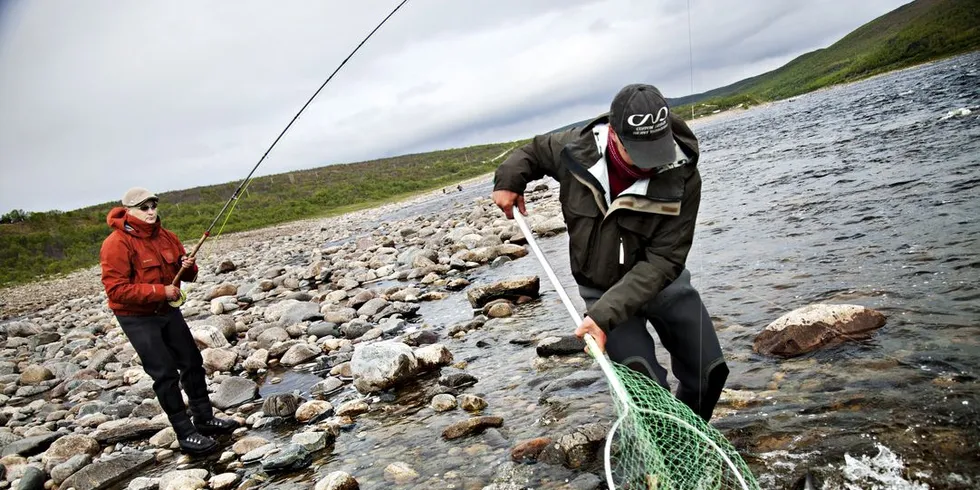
{"x": 207, "y": 233}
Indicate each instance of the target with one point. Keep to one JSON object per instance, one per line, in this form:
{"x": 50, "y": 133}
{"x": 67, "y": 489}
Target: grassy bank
{"x": 40, "y": 245}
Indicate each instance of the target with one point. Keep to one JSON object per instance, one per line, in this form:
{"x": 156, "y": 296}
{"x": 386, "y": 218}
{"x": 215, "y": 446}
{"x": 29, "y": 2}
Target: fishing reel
{"x": 180, "y": 299}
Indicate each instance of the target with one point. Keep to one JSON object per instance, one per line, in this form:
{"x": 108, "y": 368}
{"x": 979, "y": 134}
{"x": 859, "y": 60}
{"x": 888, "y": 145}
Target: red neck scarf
{"x": 622, "y": 174}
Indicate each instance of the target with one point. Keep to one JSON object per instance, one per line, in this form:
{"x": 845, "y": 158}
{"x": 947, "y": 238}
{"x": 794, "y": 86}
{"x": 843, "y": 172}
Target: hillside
{"x": 917, "y": 32}
{"x": 56, "y": 242}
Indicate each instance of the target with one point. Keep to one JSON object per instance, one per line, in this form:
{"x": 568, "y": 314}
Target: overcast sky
{"x": 99, "y": 96}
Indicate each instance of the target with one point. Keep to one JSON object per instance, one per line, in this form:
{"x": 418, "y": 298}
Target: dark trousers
{"x": 682, "y": 322}
{"x": 170, "y": 356}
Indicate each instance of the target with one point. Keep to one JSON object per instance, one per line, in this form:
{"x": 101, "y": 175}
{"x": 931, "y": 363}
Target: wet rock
{"x": 234, "y": 391}
{"x": 472, "y": 403}
{"x": 467, "y": 326}
{"x": 355, "y": 329}
{"x": 105, "y": 472}
{"x": 192, "y": 479}
{"x": 353, "y": 408}
{"x": 258, "y": 453}
{"x": 560, "y": 346}
{"x": 443, "y": 402}
{"x": 224, "y": 481}
{"x": 471, "y": 426}
{"x": 510, "y": 288}
{"x": 528, "y": 451}
{"x": 272, "y": 335}
{"x": 577, "y": 449}
{"x": 574, "y": 381}
{"x": 326, "y": 387}
{"x": 585, "y": 481}
{"x": 281, "y": 405}
{"x": 483, "y": 255}
{"x": 400, "y": 473}
{"x": 337, "y": 480}
{"x": 421, "y": 337}
{"x": 457, "y": 379}
{"x": 500, "y": 310}
{"x": 312, "y": 441}
{"x": 290, "y": 458}
{"x": 379, "y": 366}
{"x": 313, "y": 411}
{"x": 809, "y": 328}
{"x": 433, "y": 356}
{"x": 248, "y": 444}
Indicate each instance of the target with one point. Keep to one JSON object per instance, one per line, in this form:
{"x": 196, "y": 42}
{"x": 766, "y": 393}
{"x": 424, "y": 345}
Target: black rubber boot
{"x": 191, "y": 441}
{"x": 206, "y": 422}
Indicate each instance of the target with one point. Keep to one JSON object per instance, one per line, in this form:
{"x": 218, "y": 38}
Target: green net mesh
{"x": 658, "y": 442}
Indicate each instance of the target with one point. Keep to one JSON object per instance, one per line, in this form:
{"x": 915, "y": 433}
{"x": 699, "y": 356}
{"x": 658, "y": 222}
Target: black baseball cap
{"x": 640, "y": 117}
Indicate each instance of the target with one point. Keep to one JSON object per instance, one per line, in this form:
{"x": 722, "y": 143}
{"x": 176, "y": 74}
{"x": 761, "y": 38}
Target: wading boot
{"x": 191, "y": 441}
{"x": 205, "y": 421}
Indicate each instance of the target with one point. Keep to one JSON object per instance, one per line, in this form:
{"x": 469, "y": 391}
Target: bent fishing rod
{"x": 207, "y": 233}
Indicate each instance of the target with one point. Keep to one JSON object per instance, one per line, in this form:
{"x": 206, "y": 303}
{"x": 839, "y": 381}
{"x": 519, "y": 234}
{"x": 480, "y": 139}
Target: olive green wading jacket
{"x": 630, "y": 247}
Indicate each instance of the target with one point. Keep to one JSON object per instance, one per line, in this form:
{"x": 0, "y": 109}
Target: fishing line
{"x": 234, "y": 197}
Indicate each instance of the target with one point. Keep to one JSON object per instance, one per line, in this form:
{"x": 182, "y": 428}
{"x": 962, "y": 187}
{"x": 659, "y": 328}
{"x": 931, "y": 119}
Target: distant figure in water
{"x": 459, "y": 187}
{"x": 630, "y": 191}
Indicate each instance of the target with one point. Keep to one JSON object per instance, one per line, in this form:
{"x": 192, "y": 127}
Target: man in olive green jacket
{"x": 630, "y": 191}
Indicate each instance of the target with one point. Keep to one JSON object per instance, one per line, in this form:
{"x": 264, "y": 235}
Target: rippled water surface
{"x": 864, "y": 194}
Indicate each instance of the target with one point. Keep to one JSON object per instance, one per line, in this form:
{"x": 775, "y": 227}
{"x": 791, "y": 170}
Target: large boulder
{"x": 508, "y": 289}
{"x": 819, "y": 325}
{"x": 381, "y": 365}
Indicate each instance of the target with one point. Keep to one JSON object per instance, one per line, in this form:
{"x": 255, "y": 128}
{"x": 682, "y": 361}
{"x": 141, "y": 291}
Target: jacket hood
{"x": 118, "y": 219}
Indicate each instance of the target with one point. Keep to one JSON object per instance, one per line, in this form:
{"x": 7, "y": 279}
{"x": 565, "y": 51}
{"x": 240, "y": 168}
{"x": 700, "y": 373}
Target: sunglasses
{"x": 148, "y": 206}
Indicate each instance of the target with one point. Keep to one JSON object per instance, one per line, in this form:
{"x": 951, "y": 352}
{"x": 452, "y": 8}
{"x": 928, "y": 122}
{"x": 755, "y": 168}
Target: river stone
{"x": 31, "y": 479}
{"x": 338, "y": 480}
{"x": 115, "y": 431}
{"x": 234, "y": 391}
{"x": 30, "y": 446}
{"x": 281, "y": 405}
{"x": 483, "y": 255}
{"x": 256, "y": 361}
{"x": 298, "y": 354}
{"x": 819, "y": 325}
{"x": 500, "y": 310}
{"x": 326, "y": 387}
{"x": 472, "y": 403}
{"x": 508, "y": 289}
{"x": 71, "y": 466}
{"x": 220, "y": 290}
{"x": 471, "y": 426}
{"x": 208, "y": 336}
{"x": 35, "y": 374}
{"x": 248, "y": 444}
{"x": 105, "y": 472}
{"x": 352, "y": 408}
{"x": 312, "y": 441}
{"x": 443, "y": 402}
{"x": 219, "y": 360}
{"x": 67, "y": 446}
{"x": 433, "y": 356}
{"x": 400, "y": 473}
{"x": 272, "y": 335}
{"x": 421, "y": 337}
{"x": 224, "y": 481}
{"x": 560, "y": 346}
{"x": 300, "y": 312}
{"x": 292, "y": 457}
{"x": 528, "y": 451}
{"x": 457, "y": 379}
{"x": 323, "y": 329}
{"x": 382, "y": 365}
{"x": 313, "y": 411}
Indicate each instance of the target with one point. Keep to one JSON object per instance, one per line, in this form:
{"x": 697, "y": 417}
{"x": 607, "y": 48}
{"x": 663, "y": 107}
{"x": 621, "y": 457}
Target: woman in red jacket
{"x": 139, "y": 262}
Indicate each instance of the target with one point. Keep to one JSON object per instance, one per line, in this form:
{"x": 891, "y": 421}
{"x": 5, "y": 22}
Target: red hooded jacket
{"x": 138, "y": 259}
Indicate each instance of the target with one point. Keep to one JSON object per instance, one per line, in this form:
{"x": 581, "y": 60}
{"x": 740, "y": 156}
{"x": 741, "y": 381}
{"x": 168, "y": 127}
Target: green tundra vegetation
{"x": 34, "y": 245}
